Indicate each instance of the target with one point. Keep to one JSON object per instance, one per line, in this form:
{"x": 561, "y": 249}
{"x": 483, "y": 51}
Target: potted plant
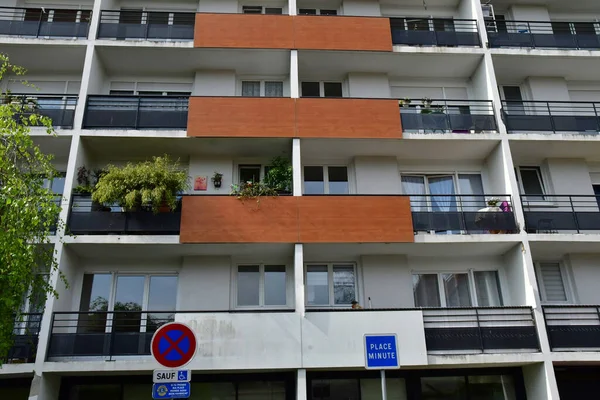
{"x": 405, "y": 102}
{"x": 217, "y": 179}
{"x": 153, "y": 184}
{"x": 280, "y": 175}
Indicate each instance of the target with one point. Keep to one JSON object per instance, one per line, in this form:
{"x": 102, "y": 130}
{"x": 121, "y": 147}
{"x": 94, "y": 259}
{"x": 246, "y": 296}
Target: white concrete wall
{"x": 368, "y": 85}
{"x": 377, "y": 175}
{"x": 97, "y": 79}
{"x": 529, "y": 13}
{"x": 69, "y": 266}
{"x": 363, "y": 8}
{"x": 547, "y": 89}
{"x": 206, "y": 166}
{"x": 214, "y": 83}
{"x": 204, "y": 284}
{"x": 387, "y": 281}
{"x": 585, "y": 271}
{"x": 218, "y": 6}
{"x": 568, "y": 176}
{"x": 518, "y": 282}
{"x": 495, "y": 179}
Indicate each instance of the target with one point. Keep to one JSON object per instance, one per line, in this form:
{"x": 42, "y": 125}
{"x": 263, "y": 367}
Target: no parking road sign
{"x": 173, "y": 345}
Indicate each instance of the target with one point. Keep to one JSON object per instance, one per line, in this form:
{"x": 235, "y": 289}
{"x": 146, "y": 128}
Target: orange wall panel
{"x": 223, "y": 219}
{"x": 355, "y": 219}
{"x": 241, "y": 117}
{"x": 244, "y": 31}
{"x": 342, "y": 33}
{"x": 348, "y": 118}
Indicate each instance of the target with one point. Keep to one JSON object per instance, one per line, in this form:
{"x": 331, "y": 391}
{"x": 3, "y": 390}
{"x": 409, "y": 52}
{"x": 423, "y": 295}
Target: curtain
{"x": 251, "y": 88}
{"x": 471, "y": 184}
{"x": 425, "y": 290}
{"x": 274, "y": 89}
{"x": 456, "y": 289}
{"x": 442, "y": 185}
{"x": 488, "y": 289}
{"x": 415, "y": 185}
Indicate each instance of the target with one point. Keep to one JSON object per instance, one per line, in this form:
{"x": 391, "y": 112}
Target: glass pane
{"x": 310, "y": 89}
{"x": 261, "y": 390}
{"x": 273, "y": 10}
{"x": 439, "y": 186}
{"x": 532, "y": 183}
{"x": 249, "y": 173}
{"x": 159, "y": 18}
{"x": 338, "y": 180}
{"x": 58, "y": 184}
{"x": 95, "y": 392}
{"x": 313, "y": 180}
{"x": 307, "y": 11}
{"x": 332, "y": 89}
{"x": 317, "y": 286}
{"x": 335, "y": 389}
{"x": 214, "y": 390}
{"x": 370, "y": 389}
{"x": 426, "y": 291}
{"x": 446, "y": 388}
{"x": 248, "y": 285}
{"x": 251, "y": 88}
{"x": 328, "y": 12}
{"x": 275, "y": 283}
{"x": 128, "y": 300}
{"x": 252, "y": 9}
{"x": 496, "y": 387}
{"x": 274, "y": 89}
{"x": 456, "y": 289}
{"x": 488, "y": 289}
{"x": 94, "y": 297}
{"x": 162, "y": 297}
{"x": 344, "y": 284}
{"x": 471, "y": 184}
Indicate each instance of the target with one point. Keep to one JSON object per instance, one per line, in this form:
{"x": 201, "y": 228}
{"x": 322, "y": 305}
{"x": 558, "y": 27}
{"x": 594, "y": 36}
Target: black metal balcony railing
{"x": 443, "y": 115}
{"x": 434, "y": 32}
{"x": 136, "y": 112}
{"x": 556, "y": 213}
{"x": 482, "y": 329}
{"x": 573, "y": 327}
{"x": 147, "y": 25}
{"x": 44, "y": 22}
{"x": 25, "y": 338}
{"x": 87, "y": 218}
{"x": 58, "y": 107}
{"x": 468, "y": 214}
{"x": 108, "y": 334}
{"x": 551, "y": 116}
{"x": 543, "y": 34}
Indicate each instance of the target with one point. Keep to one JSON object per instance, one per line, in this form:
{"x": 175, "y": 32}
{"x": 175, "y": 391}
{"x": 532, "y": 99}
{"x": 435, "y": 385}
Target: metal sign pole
{"x": 383, "y": 385}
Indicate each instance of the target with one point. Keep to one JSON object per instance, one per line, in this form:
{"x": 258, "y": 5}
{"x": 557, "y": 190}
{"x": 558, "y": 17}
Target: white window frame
{"x": 263, "y": 9}
{"x": 322, "y": 88}
{"x": 330, "y": 265}
{"x": 262, "y": 81}
{"x": 454, "y": 175}
{"x": 326, "y": 177}
{"x": 540, "y": 173}
{"x": 236, "y": 172}
{"x": 318, "y": 11}
{"x": 113, "y": 292}
{"x": 261, "y": 286}
{"x": 472, "y": 288}
{"x": 566, "y": 279}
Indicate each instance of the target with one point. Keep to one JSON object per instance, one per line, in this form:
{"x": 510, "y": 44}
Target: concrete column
{"x": 299, "y": 280}
{"x": 45, "y": 387}
{"x": 301, "y": 385}
{"x": 540, "y": 381}
{"x": 294, "y": 82}
{"x": 296, "y": 167}
{"x": 292, "y": 6}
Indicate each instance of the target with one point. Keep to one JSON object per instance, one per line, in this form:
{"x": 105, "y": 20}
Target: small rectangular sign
{"x": 381, "y": 352}
{"x": 171, "y": 390}
{"x": 171, "y": 375}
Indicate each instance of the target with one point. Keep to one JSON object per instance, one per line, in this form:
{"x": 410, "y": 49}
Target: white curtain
{"x": 251, "y": 88}
{"x": 488, "y": 289}
{"x": 471, "y": 184}
{"x": 442, "y": 185}
{"x": 274, "y": 89}
{"x": 415, "y": 185}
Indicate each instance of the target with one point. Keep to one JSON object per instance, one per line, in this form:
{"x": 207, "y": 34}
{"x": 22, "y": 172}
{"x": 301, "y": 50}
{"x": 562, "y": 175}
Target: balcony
{"x": 153, "y": 25}
{"x": 434, "y": 32}
{"x": 89, "y": 218}
{"x": 561, "y": 213}
{"x": 540, "y": 34}
{"x": 466, "y": 214}
{"x": 136, "y": 112}
{"x": 480, "y": 330}
{"x": 573, "y": 327}
{"x": 551, "y": 116}
{"x": 443, "y": 115}
{"x": 44, "y": 22}
{"x": 59, "y": 108}
{"x": 305, "y": 219}
{"x": 25, "y": 339}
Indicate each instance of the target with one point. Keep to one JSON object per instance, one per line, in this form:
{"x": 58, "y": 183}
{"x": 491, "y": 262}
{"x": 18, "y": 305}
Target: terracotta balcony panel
{"x": 226, "y": 219}
{"x": 244, "y": 31}
{"x": 355, "y": 219}
{"x": 241, "y": 117}
{"x": 342, "y": 33}
{"x": 348, "y": 118}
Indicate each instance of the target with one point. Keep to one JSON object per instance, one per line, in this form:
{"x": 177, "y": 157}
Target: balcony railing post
{"x": 39, "y": 27}
{"x": 446, "y": 114}
{"x": 49, "y": 348}
{"x": 551, "y": 117}
{"x": 531, "y": 38}
{"x": 112, "y": 337}
{"x": 147, "y": 26}
{"x": 462, "y": 215}
{"x": 574, "y": 214}
{"x": 137, "y": 112}
{"x": 479, "y": 330}
{"x": 597, "y": 119}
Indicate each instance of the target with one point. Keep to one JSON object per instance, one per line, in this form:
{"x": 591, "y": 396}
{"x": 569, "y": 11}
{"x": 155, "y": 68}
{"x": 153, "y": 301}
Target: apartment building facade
{"x": 402, "y": 119}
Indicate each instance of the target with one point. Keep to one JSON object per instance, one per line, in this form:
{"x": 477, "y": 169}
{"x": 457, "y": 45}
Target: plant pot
{"x": 217, "y": 184}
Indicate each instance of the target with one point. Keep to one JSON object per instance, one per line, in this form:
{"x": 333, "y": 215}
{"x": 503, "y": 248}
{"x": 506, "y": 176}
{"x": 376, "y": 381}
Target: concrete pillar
{"x": 296, "y": 167}
{"x": 45, "y": 387}
{"x": 294, "y": 81}
{"x": 540, "y": 381}
{"x": 299, "y": 279}
{"x": 301, "y": 385}
{"x": 292, "y": 7}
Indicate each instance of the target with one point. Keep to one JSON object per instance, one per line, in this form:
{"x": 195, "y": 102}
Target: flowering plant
{"x": 252, "y": 190}
{"x": 493, "y": 201}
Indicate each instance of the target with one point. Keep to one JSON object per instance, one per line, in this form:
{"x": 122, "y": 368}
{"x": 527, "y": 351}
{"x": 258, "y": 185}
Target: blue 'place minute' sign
{"x": 381, "y": 352}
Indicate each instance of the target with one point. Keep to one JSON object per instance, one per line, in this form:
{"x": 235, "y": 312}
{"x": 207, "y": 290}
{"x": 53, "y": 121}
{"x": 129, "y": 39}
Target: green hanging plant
{"x": 154, "y": 184}
{"x": 280, "y": 175}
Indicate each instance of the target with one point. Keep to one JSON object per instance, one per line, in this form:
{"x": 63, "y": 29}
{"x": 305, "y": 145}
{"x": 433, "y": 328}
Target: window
{"x": 261, "y": 286}
{"x": 325, "y": 180}
{"x": 261, "y": 10}
{"x": 461, "y": 289}
{"x": 56, "y": 184}
{"x": 551, "y": 277}
{"x": 330, "y": 284}
{"x": 129, "y": 293}
{"x": 322, "y": 89}
{"x": 262, "y": 88}
{"x": 313, "y": 11}
{"x": 531, "y": 183}
{"x": 250, "y": 173}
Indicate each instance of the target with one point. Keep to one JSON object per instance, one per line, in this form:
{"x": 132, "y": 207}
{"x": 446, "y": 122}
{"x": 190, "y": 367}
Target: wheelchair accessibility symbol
{"x": 182, "y": 376}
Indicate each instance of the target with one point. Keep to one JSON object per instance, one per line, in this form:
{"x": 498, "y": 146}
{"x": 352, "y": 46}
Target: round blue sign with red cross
{"x": 173, "y": 345}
